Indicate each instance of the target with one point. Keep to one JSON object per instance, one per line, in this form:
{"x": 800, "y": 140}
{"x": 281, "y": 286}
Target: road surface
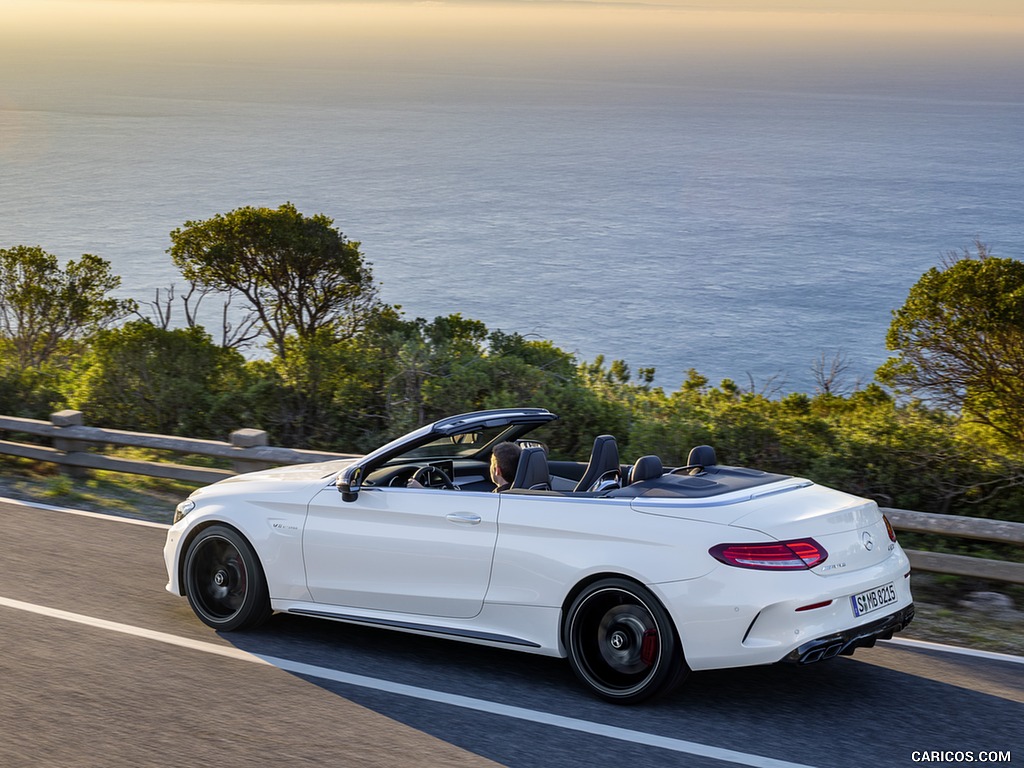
{"x": 101, "y": 667}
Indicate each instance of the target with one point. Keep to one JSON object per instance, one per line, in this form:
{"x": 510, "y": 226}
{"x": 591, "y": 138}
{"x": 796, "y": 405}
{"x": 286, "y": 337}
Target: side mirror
{"x": 349, "y": 482}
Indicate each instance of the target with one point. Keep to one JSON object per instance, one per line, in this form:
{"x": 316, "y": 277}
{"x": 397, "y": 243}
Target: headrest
{"x": 603, "y": 465}
{"x": 646, "y": 468}
{"x": 605, "y": 452}
{"x": 532, "y": 472}
{"x": 702, "y": 456}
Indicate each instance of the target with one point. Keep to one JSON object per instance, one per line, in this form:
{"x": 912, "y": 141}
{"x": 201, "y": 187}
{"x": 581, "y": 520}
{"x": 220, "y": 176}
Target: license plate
{"x": 873, "y": 599}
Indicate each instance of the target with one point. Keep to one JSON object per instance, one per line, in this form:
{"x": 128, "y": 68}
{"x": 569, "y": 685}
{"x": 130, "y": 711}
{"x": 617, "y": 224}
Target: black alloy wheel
{"x": 224, "y": 582}
{"x": 622, "y": 643}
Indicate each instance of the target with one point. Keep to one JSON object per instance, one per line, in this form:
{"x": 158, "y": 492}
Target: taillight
{"x": 796, "y": 555}
{"x": 888, "y": 529}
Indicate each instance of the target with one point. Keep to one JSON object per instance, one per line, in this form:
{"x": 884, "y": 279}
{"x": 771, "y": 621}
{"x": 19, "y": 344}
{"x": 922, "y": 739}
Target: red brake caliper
{"x": 649, "y": 647}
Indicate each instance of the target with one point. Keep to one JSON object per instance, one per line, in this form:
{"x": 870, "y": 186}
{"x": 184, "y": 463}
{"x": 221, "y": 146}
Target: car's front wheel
{"x": 224, "y": 582}
{"x": 622, "y": 643}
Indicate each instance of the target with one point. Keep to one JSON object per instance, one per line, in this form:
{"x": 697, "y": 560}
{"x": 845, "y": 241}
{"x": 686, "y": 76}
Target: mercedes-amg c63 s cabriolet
{"x": 636, "y": 572}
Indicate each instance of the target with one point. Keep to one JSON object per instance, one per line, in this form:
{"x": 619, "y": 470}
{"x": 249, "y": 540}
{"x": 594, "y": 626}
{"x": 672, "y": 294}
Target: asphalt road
{"x": 99, "y": 666}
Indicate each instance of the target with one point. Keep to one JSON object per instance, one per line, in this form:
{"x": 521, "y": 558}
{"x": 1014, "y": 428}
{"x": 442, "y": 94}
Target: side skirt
{"x": 410, "y": 626}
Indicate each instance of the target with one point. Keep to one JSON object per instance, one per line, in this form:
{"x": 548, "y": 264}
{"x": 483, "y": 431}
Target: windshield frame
{"x": 509, "y": 423}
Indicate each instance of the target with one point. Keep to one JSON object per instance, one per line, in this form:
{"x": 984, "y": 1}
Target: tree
{"x": 235, "y": 331}
{"x": 43, "y": 309}
{"x": 960, "y": 341}
{"x": 440, "y": 368}
{"x": 299, "y": 274}
{"x": 178, "y": 382}
{"x": 329, "y": 393}
{"x": 829, "y": 373}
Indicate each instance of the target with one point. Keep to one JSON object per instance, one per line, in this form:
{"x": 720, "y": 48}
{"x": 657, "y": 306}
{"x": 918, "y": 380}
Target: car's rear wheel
{"x": 622, "y": 643}
{"x": 224, "y": 582}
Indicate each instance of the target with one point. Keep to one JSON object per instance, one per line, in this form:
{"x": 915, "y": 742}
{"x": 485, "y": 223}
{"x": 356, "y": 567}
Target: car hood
{"x": 295, "y": 476}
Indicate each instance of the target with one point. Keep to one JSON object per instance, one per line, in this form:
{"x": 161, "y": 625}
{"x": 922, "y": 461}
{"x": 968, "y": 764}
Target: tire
{"x": 224, "y": 582}
{"x": 622, "y": 644}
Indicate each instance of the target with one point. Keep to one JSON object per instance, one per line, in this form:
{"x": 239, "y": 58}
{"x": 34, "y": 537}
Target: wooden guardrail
{"x": 75, "y": 447}
{"x": 977, "y": 528}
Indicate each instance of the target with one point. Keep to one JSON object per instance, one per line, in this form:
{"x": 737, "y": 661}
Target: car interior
{"x": 603, "y": 475}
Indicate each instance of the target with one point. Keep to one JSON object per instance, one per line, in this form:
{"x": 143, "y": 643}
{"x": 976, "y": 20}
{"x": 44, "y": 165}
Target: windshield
{"x": 457, "y": 446}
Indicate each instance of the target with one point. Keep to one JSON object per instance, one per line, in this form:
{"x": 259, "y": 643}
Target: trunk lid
{"x": 851, "y": 529}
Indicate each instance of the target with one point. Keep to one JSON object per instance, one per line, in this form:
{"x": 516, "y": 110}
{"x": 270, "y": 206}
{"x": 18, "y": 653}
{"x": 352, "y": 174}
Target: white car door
{"x": 409, "y": 550}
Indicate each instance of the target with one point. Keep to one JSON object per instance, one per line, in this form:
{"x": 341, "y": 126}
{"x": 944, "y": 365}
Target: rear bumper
{"x": 846, "y": 642}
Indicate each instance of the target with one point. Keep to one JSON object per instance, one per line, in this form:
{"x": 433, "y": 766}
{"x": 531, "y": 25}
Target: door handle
{"x": 463, "y": 518}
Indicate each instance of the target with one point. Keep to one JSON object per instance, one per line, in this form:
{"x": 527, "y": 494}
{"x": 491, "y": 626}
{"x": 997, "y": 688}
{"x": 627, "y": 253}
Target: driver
{"x": 504, "y": 462}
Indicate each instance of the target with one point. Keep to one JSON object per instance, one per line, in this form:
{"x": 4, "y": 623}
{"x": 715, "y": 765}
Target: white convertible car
{"x": 637, "y": 573}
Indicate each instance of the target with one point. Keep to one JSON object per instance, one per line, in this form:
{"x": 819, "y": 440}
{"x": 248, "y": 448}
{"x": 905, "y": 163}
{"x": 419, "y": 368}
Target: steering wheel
{"x": 430, "y": 476}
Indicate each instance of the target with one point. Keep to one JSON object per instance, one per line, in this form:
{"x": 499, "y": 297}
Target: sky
{"x": 42, "y": 40}
{"x": 95, "y": 25}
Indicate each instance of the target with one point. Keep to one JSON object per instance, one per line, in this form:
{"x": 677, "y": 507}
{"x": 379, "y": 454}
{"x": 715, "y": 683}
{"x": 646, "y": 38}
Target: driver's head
{"x": 504, "y": 461}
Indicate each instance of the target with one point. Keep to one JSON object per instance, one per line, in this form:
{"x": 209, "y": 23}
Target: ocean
{"x": 743, "y": 228}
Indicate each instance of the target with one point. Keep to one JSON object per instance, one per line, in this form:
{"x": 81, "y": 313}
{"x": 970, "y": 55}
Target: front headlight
{"x": 183, "y": 509}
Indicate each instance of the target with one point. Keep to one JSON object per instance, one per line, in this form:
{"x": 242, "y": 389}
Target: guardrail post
{"x": 249, "y": 438}
{"x": 69, "y": 418}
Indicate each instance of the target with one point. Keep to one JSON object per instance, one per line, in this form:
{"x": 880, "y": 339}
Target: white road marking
{"x": 128, "y": 629}
{"x": 926, "y": 646}
{"x": 425, "y": 694}
{"x": 83, "y": 513}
